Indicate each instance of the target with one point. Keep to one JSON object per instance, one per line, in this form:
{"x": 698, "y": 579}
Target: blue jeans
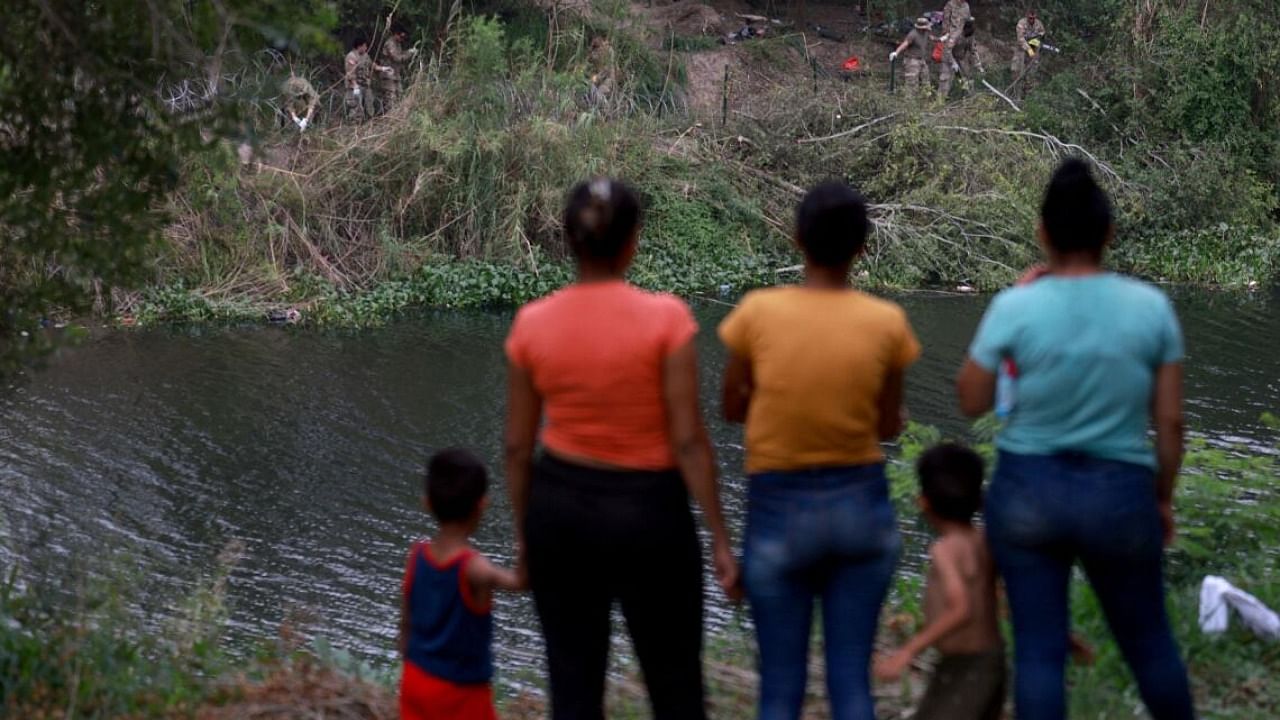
{"x": 829, "y": 534}
{"x": 1043, "y": 514}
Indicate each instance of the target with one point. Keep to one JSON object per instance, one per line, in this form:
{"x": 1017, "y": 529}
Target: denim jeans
{"x": 1043, "y": 514}
{"x": 824, "y": 534}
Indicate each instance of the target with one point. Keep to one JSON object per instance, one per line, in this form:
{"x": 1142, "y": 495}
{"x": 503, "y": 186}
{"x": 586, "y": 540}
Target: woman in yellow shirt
{"x": 816, "y": 373}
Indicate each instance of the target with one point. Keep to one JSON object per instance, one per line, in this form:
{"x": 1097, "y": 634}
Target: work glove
{"x": 893, "y": 56}
{"x": 413, "y": 51}
{"x": 356, "y": 91}
{"x": 955, "y": 67}
{"x": 302, "y": 125}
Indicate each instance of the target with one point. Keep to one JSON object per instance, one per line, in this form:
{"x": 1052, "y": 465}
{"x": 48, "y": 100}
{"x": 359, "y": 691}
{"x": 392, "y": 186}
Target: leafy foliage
{"x": 99, "y": 104}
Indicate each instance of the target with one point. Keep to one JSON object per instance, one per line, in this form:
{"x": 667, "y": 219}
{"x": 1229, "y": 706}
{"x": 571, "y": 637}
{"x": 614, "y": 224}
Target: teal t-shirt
{"x": 1086, "y": 350}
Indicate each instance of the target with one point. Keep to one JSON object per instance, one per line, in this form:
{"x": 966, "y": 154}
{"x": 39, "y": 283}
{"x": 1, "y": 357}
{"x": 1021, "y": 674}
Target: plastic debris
{"x": 1218, "y": 597}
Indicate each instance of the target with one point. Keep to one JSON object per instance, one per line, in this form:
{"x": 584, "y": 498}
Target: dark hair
{"x": 455, "y": 483}
{"x": 1076, "y": 212}
{"x": 360, "y": 40}
{"x": 600, "y": 218}
{"x": 951, "y": 480}
{"x": 831, "y": 224}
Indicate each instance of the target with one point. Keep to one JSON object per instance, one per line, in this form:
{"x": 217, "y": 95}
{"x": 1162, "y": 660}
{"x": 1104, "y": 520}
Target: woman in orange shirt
{"x": 609, "y": 373}
{"x": 816, "y": 373}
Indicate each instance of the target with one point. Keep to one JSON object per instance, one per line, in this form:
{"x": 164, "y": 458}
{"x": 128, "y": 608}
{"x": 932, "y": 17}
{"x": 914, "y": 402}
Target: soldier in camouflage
{"x": 1026, "y": 60}
{"x": 397, "y": 59}
{"x": 954, "y": 15}
{"x": 966, "y": 55}
{"x": 914, "y": 51}
{"x": 358, "y": 78}
{"x": 300, "y": 100}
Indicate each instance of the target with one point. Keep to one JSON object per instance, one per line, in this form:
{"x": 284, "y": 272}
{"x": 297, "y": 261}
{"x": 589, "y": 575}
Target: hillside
{"x": 452, "y": 197}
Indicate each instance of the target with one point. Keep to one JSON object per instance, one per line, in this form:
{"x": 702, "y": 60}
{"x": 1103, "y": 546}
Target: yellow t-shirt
{"x": 819, "y": 360}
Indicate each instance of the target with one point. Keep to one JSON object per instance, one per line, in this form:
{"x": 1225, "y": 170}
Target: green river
{"x": 144, "y": 453}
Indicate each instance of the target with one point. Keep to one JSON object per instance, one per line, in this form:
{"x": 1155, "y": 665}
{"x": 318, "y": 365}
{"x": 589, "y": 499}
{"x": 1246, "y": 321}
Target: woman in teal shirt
{"x": 1098, "y": 357}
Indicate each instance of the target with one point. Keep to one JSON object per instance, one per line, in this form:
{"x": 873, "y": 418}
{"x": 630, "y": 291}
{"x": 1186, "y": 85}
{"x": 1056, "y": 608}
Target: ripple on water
{"x": 159, "y": 447}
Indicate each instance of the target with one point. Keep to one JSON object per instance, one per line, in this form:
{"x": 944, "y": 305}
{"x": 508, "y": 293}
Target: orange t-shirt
{"x": 819, "y": 360}
{"x": 595, "y": 352}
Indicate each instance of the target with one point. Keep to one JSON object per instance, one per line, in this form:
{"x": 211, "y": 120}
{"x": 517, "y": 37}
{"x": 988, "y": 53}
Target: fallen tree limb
{"x": 1058, "y": 147}
{"x": 1002, "y": 96}
{"x": 846, "y": 133}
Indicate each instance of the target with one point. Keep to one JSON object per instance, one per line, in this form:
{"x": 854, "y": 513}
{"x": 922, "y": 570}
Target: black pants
{"x": 595, "y": 536}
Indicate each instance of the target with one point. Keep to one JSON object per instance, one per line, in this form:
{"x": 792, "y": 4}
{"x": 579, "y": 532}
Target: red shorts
{"x": 426, "y": 697}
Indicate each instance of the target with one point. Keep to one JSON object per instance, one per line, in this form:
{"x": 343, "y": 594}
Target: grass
{"x": 352, "y": 224}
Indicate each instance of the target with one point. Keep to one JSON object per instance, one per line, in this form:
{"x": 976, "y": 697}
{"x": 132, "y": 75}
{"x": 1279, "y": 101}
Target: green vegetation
{"x": 99, "y": 104}
{"x": 453, "y": 196}
{"x": 1228, "y": 508}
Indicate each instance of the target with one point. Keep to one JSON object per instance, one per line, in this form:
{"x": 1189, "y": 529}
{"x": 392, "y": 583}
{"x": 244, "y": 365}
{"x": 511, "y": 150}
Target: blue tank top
{"x": 450, "y": 637}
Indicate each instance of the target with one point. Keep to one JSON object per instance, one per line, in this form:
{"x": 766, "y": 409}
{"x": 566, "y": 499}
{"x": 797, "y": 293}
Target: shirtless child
{"x": 968, "y": 683}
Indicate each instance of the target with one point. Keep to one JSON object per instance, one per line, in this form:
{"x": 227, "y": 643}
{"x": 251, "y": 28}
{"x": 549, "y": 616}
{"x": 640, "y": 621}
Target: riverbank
{"x": 88, "y": 652}
{"x": 452, "y": 198}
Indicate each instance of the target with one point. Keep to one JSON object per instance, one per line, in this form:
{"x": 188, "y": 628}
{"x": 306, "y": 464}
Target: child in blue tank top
{"x": 446, "y": 630}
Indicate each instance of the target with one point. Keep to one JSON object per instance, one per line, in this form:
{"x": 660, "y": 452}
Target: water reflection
{"x": 158, "y": 447}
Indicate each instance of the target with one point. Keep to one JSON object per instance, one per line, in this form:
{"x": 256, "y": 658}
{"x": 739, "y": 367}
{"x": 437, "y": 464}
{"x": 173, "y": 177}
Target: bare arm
{"x": 1166, "y": 412}
{"x": 735, "y": 399}
{"x": 902, "y": 46}
{"x": 891, "y": 410}
{"x": 975, "y": 388}
{"x": 524, "y": 413}
{"x": 956, "y": 612}
{"x": 694, "y": 456}
{"x": 485, "y": 577}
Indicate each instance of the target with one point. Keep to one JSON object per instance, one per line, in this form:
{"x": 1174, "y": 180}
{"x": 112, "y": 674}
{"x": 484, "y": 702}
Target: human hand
{"x": 1167, "y": 522}
{"x": 955, "y": 67}
{"x": 1081, "y": 652}
{"x": 302, "y": 125}
{"x": 413, "y": 51}
{"x": 890, "y": 666}
{"x": 893, "y": 56}
{"x": 726, "y": 569}
{"x": 1031, "y": 52}
{"x": 356, "y": 91}
{"x": 1033, "y": 273}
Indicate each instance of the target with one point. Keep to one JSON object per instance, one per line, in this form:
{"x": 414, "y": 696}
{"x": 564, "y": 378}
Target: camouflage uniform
{"x": 359, "y": 73}
{"x": 966, "y": 54}
{"x": 396, "y": 58}
{"x": 953, "y": 16}
{"x": 915, "y": 61}
{"x": 300, "y": 97}
{"x": 1024, "y": 64}
{"x": 602, "y": 61}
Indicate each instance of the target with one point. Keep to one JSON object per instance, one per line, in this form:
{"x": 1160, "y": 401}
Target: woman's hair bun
{"x": 600, "y": 218}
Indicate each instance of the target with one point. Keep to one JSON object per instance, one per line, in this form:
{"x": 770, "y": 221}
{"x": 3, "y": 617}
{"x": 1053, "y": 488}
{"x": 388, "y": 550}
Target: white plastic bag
{"x": 1218, "y": 597}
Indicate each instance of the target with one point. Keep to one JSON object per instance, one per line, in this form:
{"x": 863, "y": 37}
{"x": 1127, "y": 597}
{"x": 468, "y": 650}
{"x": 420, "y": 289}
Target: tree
{"x": 90, "y": 141}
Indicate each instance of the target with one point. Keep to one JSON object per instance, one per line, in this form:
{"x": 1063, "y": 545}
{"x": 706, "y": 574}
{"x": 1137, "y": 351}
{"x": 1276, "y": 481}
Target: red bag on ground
{"x": 937, "y": 52}
{"x": 853, "y": 63}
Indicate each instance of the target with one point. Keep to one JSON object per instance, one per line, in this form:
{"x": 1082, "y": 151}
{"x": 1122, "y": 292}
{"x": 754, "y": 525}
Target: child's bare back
{"x": 961, "y": 560}
{"x": 968, "y": 680}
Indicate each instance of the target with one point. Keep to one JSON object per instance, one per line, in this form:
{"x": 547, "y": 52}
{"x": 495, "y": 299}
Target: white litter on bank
{"x": 1218, "y": 597}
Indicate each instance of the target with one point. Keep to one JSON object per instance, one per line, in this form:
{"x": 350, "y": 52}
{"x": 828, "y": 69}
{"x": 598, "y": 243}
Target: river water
{"x": 143, "y": 453}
